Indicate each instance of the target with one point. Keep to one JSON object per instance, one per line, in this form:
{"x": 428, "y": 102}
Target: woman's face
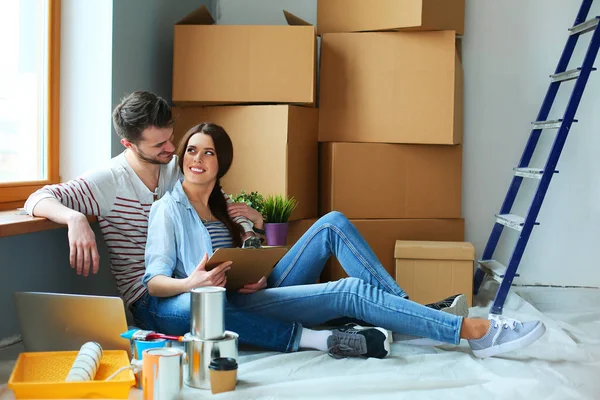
{"x": 200, "y": 163}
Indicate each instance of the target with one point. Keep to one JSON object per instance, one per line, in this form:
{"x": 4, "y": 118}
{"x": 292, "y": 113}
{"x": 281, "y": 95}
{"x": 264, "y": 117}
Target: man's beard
{"x": 150, "y": 160}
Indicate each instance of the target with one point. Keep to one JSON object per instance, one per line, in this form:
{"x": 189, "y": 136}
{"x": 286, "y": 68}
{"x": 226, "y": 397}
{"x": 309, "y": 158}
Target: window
{"x": 29, "y": 98}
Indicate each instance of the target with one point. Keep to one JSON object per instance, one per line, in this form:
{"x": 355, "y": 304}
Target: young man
{"x": 121, "y": 194}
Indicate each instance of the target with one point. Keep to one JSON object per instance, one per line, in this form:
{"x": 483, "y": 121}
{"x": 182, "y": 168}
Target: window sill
{"x": 14, "y": 222}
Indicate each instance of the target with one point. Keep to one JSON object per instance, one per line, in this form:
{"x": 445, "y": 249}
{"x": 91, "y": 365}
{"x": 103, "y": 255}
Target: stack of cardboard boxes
{"x": 390, "y": 120}
{"x": 259, "y": 83}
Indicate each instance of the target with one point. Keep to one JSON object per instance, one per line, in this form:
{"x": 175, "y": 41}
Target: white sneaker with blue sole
{"x": 506, "y": 335}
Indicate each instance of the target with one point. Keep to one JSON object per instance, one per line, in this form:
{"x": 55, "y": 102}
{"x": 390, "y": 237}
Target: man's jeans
{"x": 273, "y": 318}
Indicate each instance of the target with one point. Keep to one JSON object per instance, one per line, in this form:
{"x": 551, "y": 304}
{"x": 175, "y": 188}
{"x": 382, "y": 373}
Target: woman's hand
{"x": 201, "y": 277}
{"x": 244, "y": 210}
{"x": 254, "y": 287}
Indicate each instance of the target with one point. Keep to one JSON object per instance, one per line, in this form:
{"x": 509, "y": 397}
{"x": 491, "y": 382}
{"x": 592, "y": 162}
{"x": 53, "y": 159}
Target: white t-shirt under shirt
{"x": 121, "y": 201}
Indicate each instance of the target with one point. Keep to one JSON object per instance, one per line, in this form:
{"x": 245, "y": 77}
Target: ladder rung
{"x": 533, "y": 173}
{"x": 584, "y": 27}
{"x": 567, "y": 75}
{"x": 511, "y": 221}
{"x": 553, "y": 124}
{"x": 493, "y": 268}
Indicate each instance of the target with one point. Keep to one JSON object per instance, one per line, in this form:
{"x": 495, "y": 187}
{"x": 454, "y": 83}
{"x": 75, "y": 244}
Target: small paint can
{"x": 137, "y": 349}
{"x": 162, "y": 373}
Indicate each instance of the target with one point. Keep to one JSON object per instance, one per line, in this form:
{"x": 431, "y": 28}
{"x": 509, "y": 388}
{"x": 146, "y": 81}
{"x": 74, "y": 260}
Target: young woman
{"x": 188, "y": 224}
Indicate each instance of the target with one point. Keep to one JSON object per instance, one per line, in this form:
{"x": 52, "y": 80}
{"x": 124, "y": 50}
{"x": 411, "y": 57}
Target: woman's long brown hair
{"x": 224, "y": 150}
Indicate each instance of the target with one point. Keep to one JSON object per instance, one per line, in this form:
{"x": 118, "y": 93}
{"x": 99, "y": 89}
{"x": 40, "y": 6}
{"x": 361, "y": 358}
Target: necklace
{"x": 196, "y": 204}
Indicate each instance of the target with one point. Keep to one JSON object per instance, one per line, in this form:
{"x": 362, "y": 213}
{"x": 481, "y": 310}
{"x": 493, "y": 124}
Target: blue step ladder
{"x": 524, "y": 225}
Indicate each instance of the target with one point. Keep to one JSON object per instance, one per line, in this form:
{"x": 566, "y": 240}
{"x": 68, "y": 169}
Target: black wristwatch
{"x": 259, "y": 231}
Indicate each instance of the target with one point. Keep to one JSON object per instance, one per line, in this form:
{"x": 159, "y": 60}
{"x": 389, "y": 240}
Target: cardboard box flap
{"x": 423, "y": 250}
{"x": 200, "y": 16}
{"x": 293, "y": 20}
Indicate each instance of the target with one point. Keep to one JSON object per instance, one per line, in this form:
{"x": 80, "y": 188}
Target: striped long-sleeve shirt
{"x": 121, "y": 201}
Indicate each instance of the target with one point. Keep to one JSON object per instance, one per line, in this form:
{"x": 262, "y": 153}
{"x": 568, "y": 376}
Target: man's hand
{"x": 82, "y": 245}
{"x": 244, "y": 210}
{"x": 201, "y": 277}
{"x": 254, "y": 287}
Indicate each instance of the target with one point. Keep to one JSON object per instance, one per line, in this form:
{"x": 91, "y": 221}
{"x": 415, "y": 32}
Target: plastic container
{"x": 42, "y": 376}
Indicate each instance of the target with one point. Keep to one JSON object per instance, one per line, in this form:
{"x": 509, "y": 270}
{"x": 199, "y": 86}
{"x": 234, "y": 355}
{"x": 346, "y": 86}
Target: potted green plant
{"x": 253, "y": 199}
{"x": 276, "y": 212}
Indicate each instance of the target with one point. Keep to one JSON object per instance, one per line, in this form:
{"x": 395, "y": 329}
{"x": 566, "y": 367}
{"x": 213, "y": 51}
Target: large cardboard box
{"x": 375, "y": 180}
{"x": 219, "y": 64}
{"x": 391, "y": 87}
{"x": 275, "y": 149}
{"x": 430, "y": 271}
{"x": 382, "y": 235}
{"x": 298, "y": 228}
{"x": 334, "y": 16}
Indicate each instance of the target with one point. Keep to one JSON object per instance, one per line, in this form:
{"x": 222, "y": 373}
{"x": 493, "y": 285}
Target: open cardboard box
{"x": 221, "y": 64}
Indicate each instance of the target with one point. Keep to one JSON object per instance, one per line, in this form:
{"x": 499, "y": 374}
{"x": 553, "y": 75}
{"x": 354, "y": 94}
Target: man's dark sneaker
{"x": 354, "y": 340}
{"x": 456, "y": 305}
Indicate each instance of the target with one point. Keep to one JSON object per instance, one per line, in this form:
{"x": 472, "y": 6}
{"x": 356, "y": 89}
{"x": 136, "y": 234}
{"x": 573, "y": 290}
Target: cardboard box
{"x": 382, "y": 235}
{"x": 220, "y": 64}
{"x": 374, "y": 180}
{"x": 298, "y": 228}
{"x": 391, "y": 87}
{"x": 430, "y": 271}
{"x": 275, "y": 149}
{"x": 385, "y": 15}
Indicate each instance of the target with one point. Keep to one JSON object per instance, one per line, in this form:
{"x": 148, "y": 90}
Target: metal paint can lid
{"x": 164, "y": 352}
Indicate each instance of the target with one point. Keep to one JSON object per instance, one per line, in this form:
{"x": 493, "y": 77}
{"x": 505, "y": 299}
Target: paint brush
{"x": 139, "y": 334}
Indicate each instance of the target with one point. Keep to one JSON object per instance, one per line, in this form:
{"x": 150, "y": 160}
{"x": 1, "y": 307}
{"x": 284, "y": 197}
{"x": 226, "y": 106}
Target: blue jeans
{"x": 171, "y": 315}
{"x": 273, "y": 318}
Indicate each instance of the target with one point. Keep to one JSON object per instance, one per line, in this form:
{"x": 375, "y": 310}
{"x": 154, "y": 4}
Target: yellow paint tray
{"x": 42, "y": 376}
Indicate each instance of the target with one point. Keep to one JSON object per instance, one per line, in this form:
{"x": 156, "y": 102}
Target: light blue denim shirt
{"x": 177, "y": 238}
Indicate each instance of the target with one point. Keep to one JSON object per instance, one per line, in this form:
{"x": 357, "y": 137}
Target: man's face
{"x": 155, "y": 145}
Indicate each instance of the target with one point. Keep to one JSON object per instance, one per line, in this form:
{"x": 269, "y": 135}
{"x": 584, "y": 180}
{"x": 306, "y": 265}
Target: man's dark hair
{"x": 138, "y": 111}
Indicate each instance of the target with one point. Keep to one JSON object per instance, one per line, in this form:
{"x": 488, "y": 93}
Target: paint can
{"x": 162, "y": 373}
{"x": 201, "y": 352}
{"x": 137, "y": 349}
{"x": 207, "y": 312}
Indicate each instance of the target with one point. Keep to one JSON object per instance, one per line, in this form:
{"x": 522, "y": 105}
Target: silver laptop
{"x": 61, "y": 322}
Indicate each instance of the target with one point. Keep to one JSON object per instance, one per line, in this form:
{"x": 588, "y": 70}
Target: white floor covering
{"x": 563, "y": 364}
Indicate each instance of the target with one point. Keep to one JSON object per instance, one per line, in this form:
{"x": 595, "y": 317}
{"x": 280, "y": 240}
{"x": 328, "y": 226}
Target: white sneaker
{"x": 506, "y": 335}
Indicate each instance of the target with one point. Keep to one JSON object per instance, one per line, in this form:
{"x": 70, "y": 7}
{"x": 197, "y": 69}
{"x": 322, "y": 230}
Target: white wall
{"x": 143, "y": 47}
{"x": 509, "y": 49}
{"x": 108, "y": 50}
{"x": 93, "y": 76}
{"x": 263, "y": 12}
{"x": 85, "y": 85}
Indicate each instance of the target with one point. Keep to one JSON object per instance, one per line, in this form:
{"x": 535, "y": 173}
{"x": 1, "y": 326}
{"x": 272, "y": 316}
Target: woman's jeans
{"x": 273, "y": 318}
